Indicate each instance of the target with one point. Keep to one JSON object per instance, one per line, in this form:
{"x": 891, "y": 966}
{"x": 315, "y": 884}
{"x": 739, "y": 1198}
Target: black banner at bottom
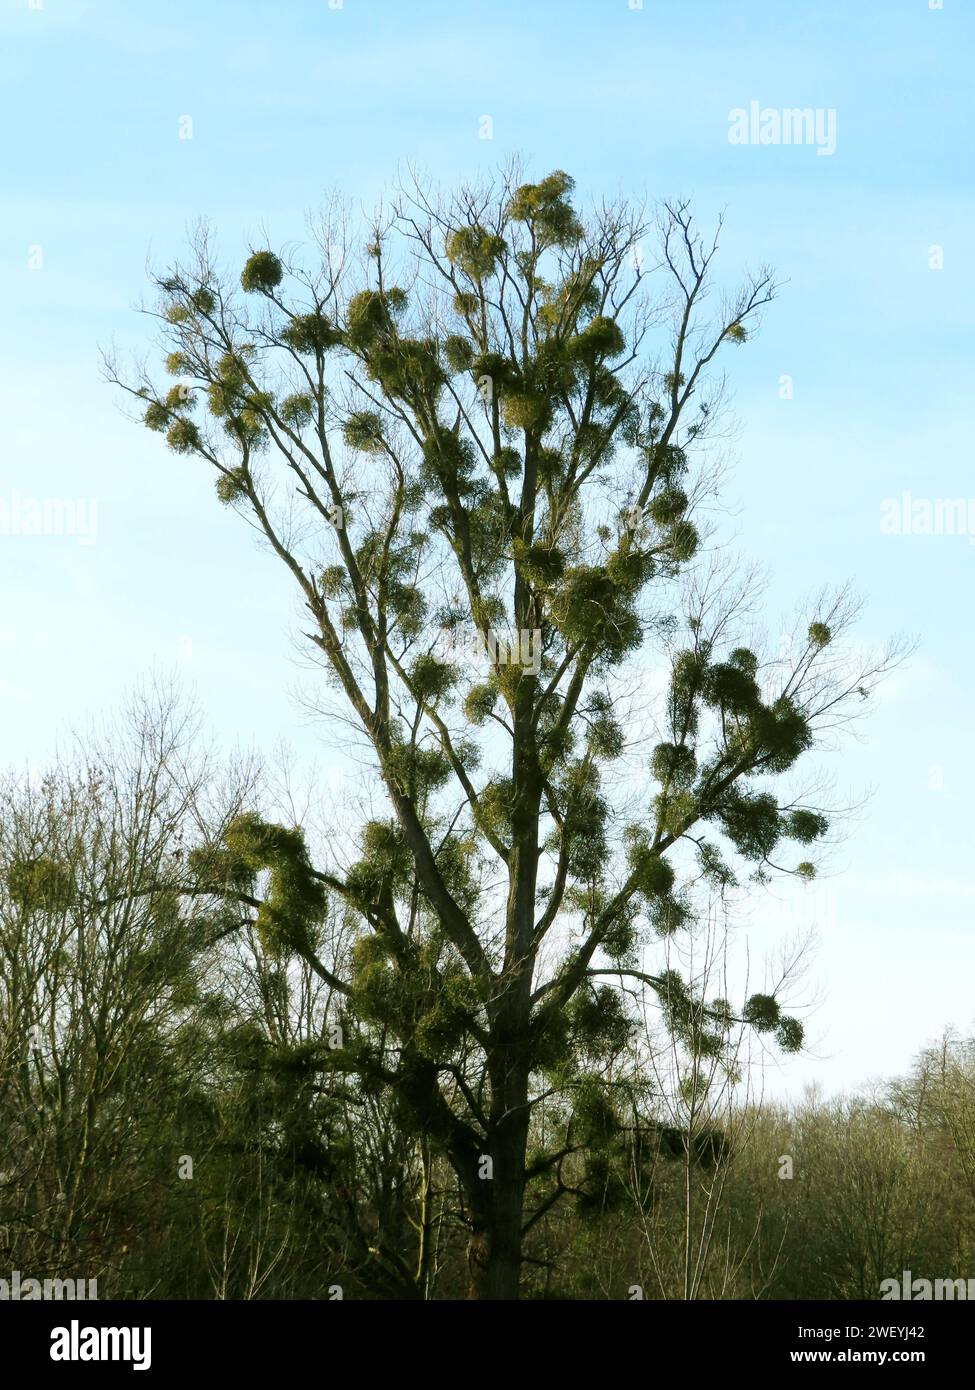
{"x": 168, "y": 1339}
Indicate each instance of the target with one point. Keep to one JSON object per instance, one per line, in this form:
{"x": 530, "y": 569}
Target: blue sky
{"x": 291, "y": 99}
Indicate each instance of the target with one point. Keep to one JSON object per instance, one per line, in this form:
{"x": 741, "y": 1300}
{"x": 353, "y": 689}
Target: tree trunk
{"x": 498, "y": 1203}
{"x": 499, "y": 1218}
{"x": 495, "y": 1248}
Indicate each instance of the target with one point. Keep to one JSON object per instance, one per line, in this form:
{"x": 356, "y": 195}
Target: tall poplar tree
{"x": 477, "y": 450}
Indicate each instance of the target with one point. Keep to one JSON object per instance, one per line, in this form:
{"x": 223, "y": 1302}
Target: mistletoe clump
{"x": 475, "y": 251}
{"x": 296, "y": 898}
{"x": 311, "y": 333}
{"x": 41, "y": 883}
{"x": 547, "y": 206}
{"x": 262, "y": 273}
